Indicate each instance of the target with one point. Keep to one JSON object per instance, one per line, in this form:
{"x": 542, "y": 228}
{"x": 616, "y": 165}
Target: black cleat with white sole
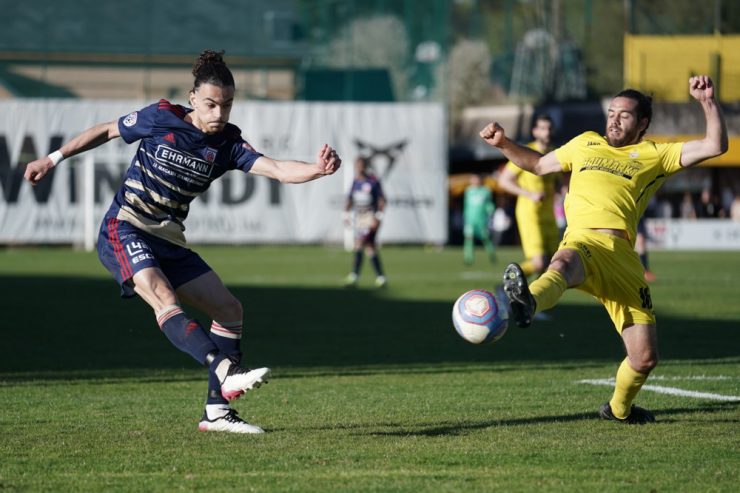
{"x": 520, "y": 299}
{"x": 637, "y": 416}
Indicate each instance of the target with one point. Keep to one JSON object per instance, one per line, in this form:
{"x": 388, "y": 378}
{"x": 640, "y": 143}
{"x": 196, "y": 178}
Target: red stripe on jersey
{"x": 175, "y": 108}
{"x": 126, "y": 271}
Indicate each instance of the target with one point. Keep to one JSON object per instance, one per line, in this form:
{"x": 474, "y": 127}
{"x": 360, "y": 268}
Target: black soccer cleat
{"x": 520, "y": 299}
{"x": 637, "y": 416}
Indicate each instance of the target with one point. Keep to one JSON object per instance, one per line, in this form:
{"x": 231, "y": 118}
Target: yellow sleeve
{"x": 670, "y": 156}
{"x": 566, "y": 152}
{"x": 514, "y": 168}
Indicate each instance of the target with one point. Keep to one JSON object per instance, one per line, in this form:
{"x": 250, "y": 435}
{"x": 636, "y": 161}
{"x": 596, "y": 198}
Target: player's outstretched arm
{"x": 524, "y": 157}
{"x": 714, "y": 142}
{"x": 510, "y": 183}
{"x": 327, "y": 163}
{"x": 89, "y": 139}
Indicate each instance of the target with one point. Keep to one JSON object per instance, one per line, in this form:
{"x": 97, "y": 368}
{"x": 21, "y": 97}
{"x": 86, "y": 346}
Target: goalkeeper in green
{"x": 477, "y": 210}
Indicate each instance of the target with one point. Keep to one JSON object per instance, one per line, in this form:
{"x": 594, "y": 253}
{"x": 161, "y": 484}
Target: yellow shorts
{"x": 614, "y": 276}
{"x": 537, "y": 238}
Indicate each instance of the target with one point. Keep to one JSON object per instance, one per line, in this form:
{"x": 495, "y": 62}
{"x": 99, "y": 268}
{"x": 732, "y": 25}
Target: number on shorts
{"x": 647, "y": 302}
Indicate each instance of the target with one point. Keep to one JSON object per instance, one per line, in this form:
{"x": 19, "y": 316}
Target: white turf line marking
{"x": 669, "y": 390}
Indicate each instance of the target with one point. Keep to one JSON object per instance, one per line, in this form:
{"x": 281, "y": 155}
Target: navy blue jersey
{"x": 175, "y": 162}
{"x": 365, "y": 194}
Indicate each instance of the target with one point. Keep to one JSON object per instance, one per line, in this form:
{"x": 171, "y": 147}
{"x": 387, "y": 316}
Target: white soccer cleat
{"x": 238, "y": 380}
{"x": 229, "y": 422}
{"x": 380, "y": 282}
{"x": 351, "y": 280}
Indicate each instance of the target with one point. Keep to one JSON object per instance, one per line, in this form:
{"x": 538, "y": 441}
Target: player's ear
{"x": 191, "y": 98}
{"x": 644, "y": 122}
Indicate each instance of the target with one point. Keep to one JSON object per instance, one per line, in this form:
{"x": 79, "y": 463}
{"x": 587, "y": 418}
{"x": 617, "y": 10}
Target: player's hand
{"x": 701, "y": 88}
{"x": 328, "y": 160}
{"x": 36, "y": 170}
{"x": 493, "y": 134}
{"x": 537, "y": 197}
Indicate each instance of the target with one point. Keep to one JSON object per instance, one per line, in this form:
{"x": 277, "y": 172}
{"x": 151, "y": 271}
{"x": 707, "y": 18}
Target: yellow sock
{"x": 548, "y": 289}
{"x": 527, "y": 267}
{"x": 629, "y": 382}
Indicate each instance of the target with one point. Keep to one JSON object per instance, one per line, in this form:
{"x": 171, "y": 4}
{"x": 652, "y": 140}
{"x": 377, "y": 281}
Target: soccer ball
{"x": 478, "y": 318}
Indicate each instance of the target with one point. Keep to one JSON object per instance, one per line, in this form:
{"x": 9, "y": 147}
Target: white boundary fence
{"x": 685, "y": 234}
{"x": 407, "y": 145}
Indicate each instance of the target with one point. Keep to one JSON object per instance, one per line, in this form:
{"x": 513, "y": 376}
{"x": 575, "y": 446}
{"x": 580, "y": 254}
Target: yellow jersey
{"x": 542, "y": 212}
{"x": 610, "y": 187}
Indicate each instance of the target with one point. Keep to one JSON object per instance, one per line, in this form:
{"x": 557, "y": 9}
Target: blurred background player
{"x": 364, "y": 211}
{"x": 642, "y": 251}
{"x": 142, "y": 242}
{"x": 477, "y": 211}
{"x": 535, "y": 208}
{"x": 613, "y": 179}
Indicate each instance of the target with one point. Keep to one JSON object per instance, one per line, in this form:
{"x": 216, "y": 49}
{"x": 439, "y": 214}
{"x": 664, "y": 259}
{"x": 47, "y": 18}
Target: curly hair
{"x": 210, "y": 68}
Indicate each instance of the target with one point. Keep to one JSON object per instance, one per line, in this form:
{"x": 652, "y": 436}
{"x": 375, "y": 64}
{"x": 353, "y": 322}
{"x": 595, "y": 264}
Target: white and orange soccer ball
{"x": 478, "y": 318}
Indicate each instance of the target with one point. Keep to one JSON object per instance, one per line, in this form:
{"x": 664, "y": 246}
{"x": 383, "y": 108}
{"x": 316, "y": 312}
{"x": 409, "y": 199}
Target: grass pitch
{"x": 371, "y": 391}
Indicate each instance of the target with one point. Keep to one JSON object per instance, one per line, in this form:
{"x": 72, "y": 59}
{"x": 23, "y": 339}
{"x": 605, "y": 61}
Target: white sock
{"x": 222, "y": 368}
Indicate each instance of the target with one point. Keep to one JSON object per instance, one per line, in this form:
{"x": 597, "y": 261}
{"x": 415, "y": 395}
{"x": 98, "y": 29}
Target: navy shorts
{"x": 125, "y": 250}
{"x": 641, "y": 227}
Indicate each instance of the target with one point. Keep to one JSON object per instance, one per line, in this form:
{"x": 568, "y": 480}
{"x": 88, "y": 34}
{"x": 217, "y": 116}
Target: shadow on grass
{"x": 74, "y": 327}
{"x": 663, "y": 416}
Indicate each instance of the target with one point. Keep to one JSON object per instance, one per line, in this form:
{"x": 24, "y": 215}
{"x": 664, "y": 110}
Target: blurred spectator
{"x": 559, "y": 206}
{"x": 727, "y": 196}
{"x": 708, "y": 205}
{"x": 687, "y": 207}
{"x": 664, "y": 209}
{"x": 735, "y": 209}
{"x": 501, "y": 223}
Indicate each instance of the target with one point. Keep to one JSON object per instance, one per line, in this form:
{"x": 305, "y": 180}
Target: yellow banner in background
{"x": 730, "y": 158}
{"x": 662, "y": 65}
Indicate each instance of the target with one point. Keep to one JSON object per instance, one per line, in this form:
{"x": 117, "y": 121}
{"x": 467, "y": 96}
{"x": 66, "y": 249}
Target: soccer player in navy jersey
{"x": 141, "y": 242}
{"x": 367, "y": 202}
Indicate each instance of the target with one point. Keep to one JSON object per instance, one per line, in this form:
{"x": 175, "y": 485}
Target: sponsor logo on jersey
{"x": 210, "y": 154}
{"x": 248, "y": 147}
{"x": 170, "y": 137}
{"x": 616, "y": 167}
{"x": 634, "y": 154}
{"x": 191, "y": 165}
{"x": 592, "y": 143}
{"x": 130, "y": 119}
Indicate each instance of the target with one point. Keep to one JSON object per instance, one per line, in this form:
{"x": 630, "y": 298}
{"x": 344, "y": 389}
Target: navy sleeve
{"x": 243, "y": 155}
{"x": 378, "y": 190}
{"x": 138, "y": 124}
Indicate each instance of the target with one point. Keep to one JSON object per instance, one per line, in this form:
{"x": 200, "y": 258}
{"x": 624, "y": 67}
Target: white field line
{"x": 669, "y": 390}
{"x": 692, "y": 377}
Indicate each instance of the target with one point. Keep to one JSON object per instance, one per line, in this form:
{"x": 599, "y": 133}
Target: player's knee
{"x": 570, "y": 266}
{"x": 644, "y": 363}
{"x": 157, "y": 296}
{"x": 230, "y": 309}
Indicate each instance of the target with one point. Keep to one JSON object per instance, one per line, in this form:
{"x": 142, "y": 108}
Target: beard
{"x": 622, "y": 137}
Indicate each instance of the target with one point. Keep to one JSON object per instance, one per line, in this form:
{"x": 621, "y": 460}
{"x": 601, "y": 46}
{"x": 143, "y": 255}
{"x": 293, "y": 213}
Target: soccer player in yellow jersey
{"x": 612, "y": 180}
{"x": 535, "y": 212}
